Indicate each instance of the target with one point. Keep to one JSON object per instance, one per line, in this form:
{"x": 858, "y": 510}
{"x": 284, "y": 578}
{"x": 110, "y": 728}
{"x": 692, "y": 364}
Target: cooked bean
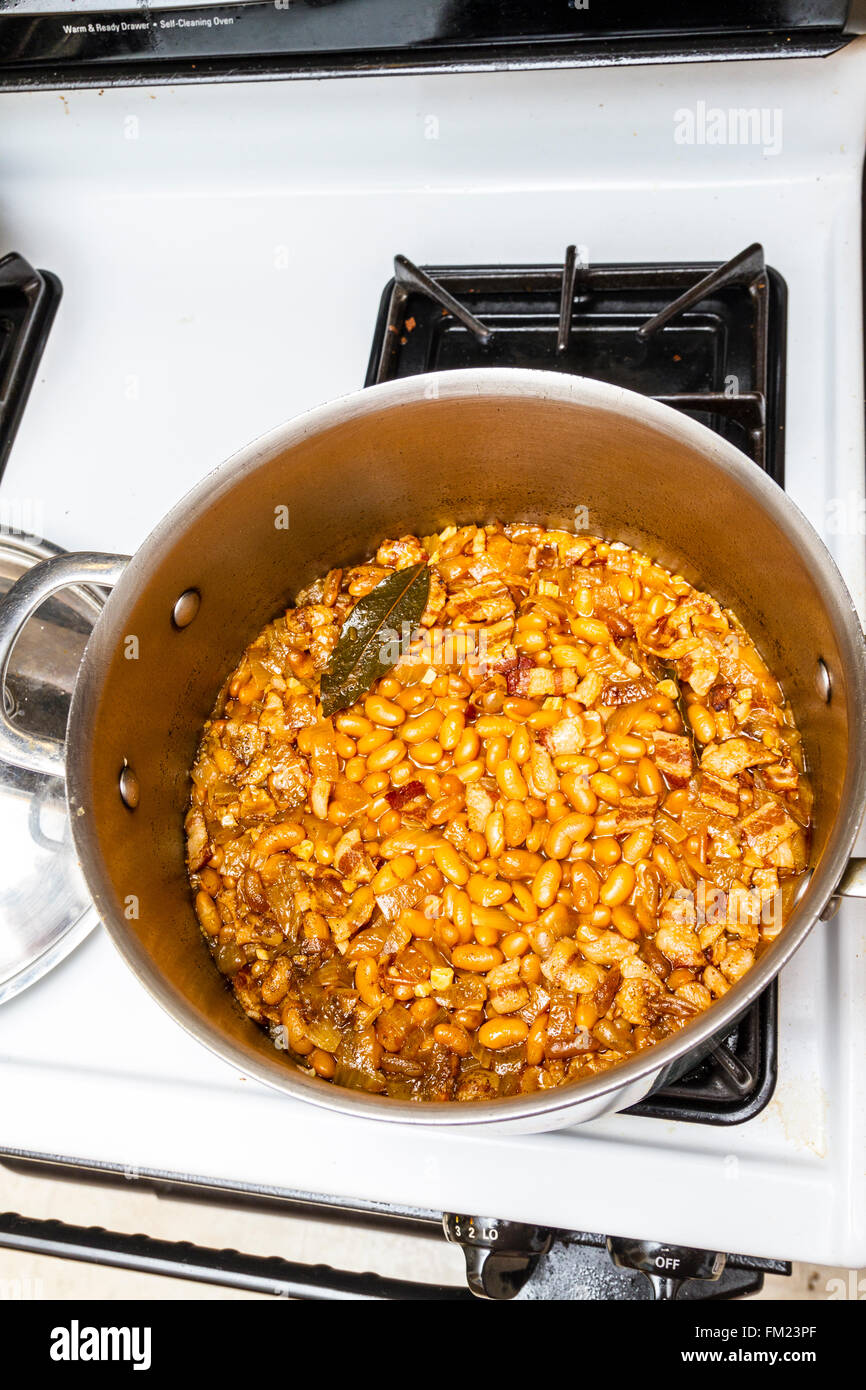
{"x": 649, "y": 778}
{"x": 478, "y": 959}
{"x": 381, "y": 711}
{"x": 206, "y": 911}
{"x": 572, "y": 829}
{"x": 519, "y": 863}
{"x": 545, "y": 884}
{"x": 498, "y": 1033}
{"x": 618, "y": 885}
{"x": 488, "y": 892}
{"x": 449, "y": 862}
{"x": 517, "y": 823}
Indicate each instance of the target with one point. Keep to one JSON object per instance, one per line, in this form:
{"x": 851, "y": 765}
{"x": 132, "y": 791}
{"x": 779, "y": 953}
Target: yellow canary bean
{"x": 489, "y": 919}
{"x": 470, "y": 772}
{"x": 521, "y": 907}
{"x": 649, "y": 779}
{"x": 637, "y": 845}
{"x": 626, "y": 746}
{"x": 516, "y": 943}
{"x": 206, "y": 911}
{"x": 606, "y": 850}
{"x": 478, "y": 959}
{"x": 466, "y": 748}
{"x": 606, "y": 787}
{"x": 625, "y": 921}
{"x": 576, "y": 787}
{"x": 354, "y": 724}
{"x": 403, "y": 865}
{"x": 382, "y": 711}
{"x": 494, "y": 833}
{"x": 520, "y": 747}
{"x": 517, "y": 823}
{"x": 618, "y": 885}
{"x": 367, "y": 982}
{"x": 573, "y": 829}
{"x": 452, "y": 1036}
{"x": 591, "y": 630}
{"x": 536, "y": 1041}
{"x": 495, "y": 751}
{"x": 428, "y": 753}
{"x": 274, "y": 841}
{"x": 676, "y": 802}
{"x": 702, "y": 722}
{"x": 498, "y": 1033}
{"x": 510, "y": 780}
{"x": 451, "y": 729}
{"x": 450, "y": 863}
{"x": 381, "y": 759}
{"x": 376, "y": 738}
{"x": 491, "y": 725}
{"x": 323, "y": 1063}
{"x": 422, "y": 727}
{"x": 488, "y": 892}
{"x": 518, "y": 707}
{"x": 519, "y": 863}
{"x": 571, "y": 657}
{"x": 546, "y": 883}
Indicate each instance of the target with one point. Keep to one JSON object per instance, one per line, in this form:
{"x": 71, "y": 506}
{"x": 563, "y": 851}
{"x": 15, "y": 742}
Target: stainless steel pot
{"x": 415, "y": 455}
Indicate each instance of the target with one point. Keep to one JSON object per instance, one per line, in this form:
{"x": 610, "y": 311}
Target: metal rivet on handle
{"x": 186, "y": 608}
{"x": 823, "y": 684}
{"x": 130, "y": 790}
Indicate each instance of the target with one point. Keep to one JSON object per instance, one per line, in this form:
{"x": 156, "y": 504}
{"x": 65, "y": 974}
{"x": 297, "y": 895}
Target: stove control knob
{"x": 500, "y": 1255}
{"x": 666, "y": 1266}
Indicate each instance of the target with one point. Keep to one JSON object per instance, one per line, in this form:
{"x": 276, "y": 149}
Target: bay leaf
{"x": 369, "y": 643}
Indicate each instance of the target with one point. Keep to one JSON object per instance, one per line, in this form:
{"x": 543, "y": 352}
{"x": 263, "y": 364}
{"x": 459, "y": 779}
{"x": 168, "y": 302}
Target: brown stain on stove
{"x": 795, "y": 1110}
{"x": 62, "y": 98}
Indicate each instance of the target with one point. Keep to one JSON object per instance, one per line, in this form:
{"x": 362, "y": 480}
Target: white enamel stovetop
{"x": 222, "y": 251}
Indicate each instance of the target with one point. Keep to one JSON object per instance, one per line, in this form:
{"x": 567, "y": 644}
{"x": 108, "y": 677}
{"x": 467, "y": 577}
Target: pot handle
{"x": 853, "y": 882}
{"x": 37, "y": 754}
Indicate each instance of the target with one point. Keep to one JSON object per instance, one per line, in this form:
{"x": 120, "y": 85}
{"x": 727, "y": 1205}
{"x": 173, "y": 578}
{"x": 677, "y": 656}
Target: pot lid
{"x": 45, "y": 908}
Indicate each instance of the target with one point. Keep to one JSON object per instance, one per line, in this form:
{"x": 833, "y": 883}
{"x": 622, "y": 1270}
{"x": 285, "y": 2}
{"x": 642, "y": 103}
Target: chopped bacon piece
{"x": 719, "y": 794}
{"x": 398, "y": 797}
{"x": 733, "y": 756}
{"x": 517, "y": 676}
{"x": 543, "y": 680}
{"x": 589, "y": 690}
{"x": 672, "y": 754}
{"x": 626, "y": 692}
{"x": 351, "y": 859}
{"x": 479, "y": 804}
{"x": 767, "y": 827}
{"x": 700, "y": 668}
{"x": 782, "y": 776}
{"x": 567, "y": 736}
{"x": 634, "y": 813}
{"x": 720, "y": 694}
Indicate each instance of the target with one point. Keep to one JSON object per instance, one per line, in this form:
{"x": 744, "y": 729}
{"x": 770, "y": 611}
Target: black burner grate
{"x": 705, "y": 339}
{"x": 28, "y": 302}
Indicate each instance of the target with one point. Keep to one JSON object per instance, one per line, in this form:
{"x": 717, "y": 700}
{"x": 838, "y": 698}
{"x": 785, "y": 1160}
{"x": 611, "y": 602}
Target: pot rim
{"x": 468, "y": 383}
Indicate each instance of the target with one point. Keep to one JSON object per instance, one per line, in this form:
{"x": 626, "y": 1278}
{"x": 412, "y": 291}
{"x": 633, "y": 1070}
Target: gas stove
{"x": 222, "y": 252}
